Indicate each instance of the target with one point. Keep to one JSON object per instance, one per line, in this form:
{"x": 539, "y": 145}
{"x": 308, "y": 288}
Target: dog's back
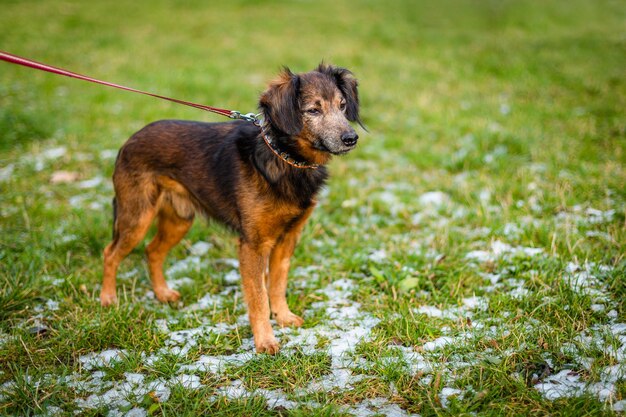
{"x": 203, "y": 158}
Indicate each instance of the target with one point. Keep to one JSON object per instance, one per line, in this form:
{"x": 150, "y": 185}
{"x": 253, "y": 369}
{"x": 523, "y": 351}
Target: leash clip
{"x": 248, "y": 117}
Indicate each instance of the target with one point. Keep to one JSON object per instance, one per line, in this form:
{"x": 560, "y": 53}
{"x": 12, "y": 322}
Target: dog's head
{"x": 314, "y": 109}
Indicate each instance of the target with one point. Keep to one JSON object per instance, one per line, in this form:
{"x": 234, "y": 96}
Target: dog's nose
{"x": 349, "y": 138}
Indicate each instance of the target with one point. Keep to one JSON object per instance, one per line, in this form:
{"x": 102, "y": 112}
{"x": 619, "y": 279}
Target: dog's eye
{"x": 313, "y": 111}
{"x": 342, "y": 105}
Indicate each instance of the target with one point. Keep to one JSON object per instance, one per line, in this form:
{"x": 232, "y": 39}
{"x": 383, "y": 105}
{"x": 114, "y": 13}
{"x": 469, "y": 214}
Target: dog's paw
{"x": 269, "y": 346}
{"x": 107, "y": 299}
{"x": 288, "y": 319}
{"x": 166, "y": 295}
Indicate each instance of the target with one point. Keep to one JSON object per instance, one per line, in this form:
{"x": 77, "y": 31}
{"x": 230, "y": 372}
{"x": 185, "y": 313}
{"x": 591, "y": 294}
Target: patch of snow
{"x": 511, "y": 230}
{"x": 108, "y": 153}
{"x": 375, "y": 407}
{"x": 217, "y": 364}
{"x": 470, "y": 303}
{"x": 378, "y": 256}
{"x": 619, "y": 406}
{"x": 121, "y": 394}
{"x": 235, "y": 390}
{"x": 597, "y": 307}
{"x": 601, "y": 235}
{"x": 391, "y": 200}
{"x": 187, "y": 381}
{"x": 91, "y": 183}
{"x": 561, "y": 385}
{"x": 161, "y": 325}
{"x": 432, "y": 311}
{"x": 209, "y": 301}
{"x": 609, "y": 339}
{"x": 233, "y": 263}
{"x": 480, "y": 256}
{"x": 51, "y": 411}
{"x": 6, "y": 172}
{"x": 185, "y": 339}
{"x": 232, "y": 277}
{"x": 180, "y": 282}
{"x": 6, "y": 389}
{"x": 54, "y": 153}
{"x": 200, "y": 248}
{"x": 479, "y": 303}
{"x": 434, "y": 199}
{"x": 446, "y": 393}
{"x": 438, "y": 343}
{"x": 485, "y": 195}
{"x": 191, "y": 263}
{"x": 589, "y": 216}
{"x": 128, "y": 274}
{"x": 582, "y": 280}
{"x": 500, "y": 249}
{"x": 276, "y": 399}
{"x": 101, "y": 359}
{"x": 595, "y": 216}
{"x": 415, "y": 361}
{"x": 136, "y": 412}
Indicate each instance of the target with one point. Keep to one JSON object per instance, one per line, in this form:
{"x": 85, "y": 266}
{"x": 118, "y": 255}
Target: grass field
{"x": 467, "y": 258}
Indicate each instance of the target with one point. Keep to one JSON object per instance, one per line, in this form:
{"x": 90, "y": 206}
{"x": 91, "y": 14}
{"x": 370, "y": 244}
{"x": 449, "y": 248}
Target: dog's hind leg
{"x": 134, "y": 214}
{"x": 172, "y": 227}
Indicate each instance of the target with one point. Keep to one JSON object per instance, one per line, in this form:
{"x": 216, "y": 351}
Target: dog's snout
{"x": 349, "y": 138}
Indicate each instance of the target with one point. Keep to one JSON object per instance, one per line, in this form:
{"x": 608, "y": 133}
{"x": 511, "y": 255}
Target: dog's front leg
{"x": 280, "y": 260}
{"x": 253, "y": 264}
{"x": 279, "y": 269}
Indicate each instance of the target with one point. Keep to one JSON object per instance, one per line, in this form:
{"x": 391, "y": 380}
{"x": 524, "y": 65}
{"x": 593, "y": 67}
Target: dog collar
{"x": 269, "y": 141}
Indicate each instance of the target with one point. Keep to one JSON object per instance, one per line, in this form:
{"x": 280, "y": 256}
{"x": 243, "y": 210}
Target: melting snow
{"x": 104, "y": 358}
{"x": 609, "y": 339}
{"x": 589, "y": 216}
{"x": 200, "y": 248}
{"x": 6, "y": 172}
{"x": 568, "y": 383}
{"x": 438, "y": 343}
{"x": 619, "y": 406}
{"x": 446, "y": 393}
{"x": 500, "y": 249}
{"x": 378, "y": 256}
{"x": 470, "y": 303}
{"x": 375, "y": 407}
{"x": 344, "y": 327}
{"x": 180, "y": 282}
{"x": 209, "y": 301}
{"x": 191, "y": 263}
{"x": 217, "y": 364}
{"x": 434, "y": 199}
{"x": 108, "y": 153}
{"x": 91, "y": 183}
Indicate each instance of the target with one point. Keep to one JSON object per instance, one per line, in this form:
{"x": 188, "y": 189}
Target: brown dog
{"x": 259, "y": 181}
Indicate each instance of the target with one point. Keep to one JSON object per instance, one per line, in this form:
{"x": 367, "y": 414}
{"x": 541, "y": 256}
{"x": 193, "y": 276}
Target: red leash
{"x": 14, "y": 59}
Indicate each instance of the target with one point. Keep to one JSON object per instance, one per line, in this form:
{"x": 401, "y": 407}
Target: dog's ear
{"x": 281, "y": 105}
{"x": 348, "y": 86}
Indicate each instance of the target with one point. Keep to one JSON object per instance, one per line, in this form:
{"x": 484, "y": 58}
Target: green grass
{"x": 513, "y": 110}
